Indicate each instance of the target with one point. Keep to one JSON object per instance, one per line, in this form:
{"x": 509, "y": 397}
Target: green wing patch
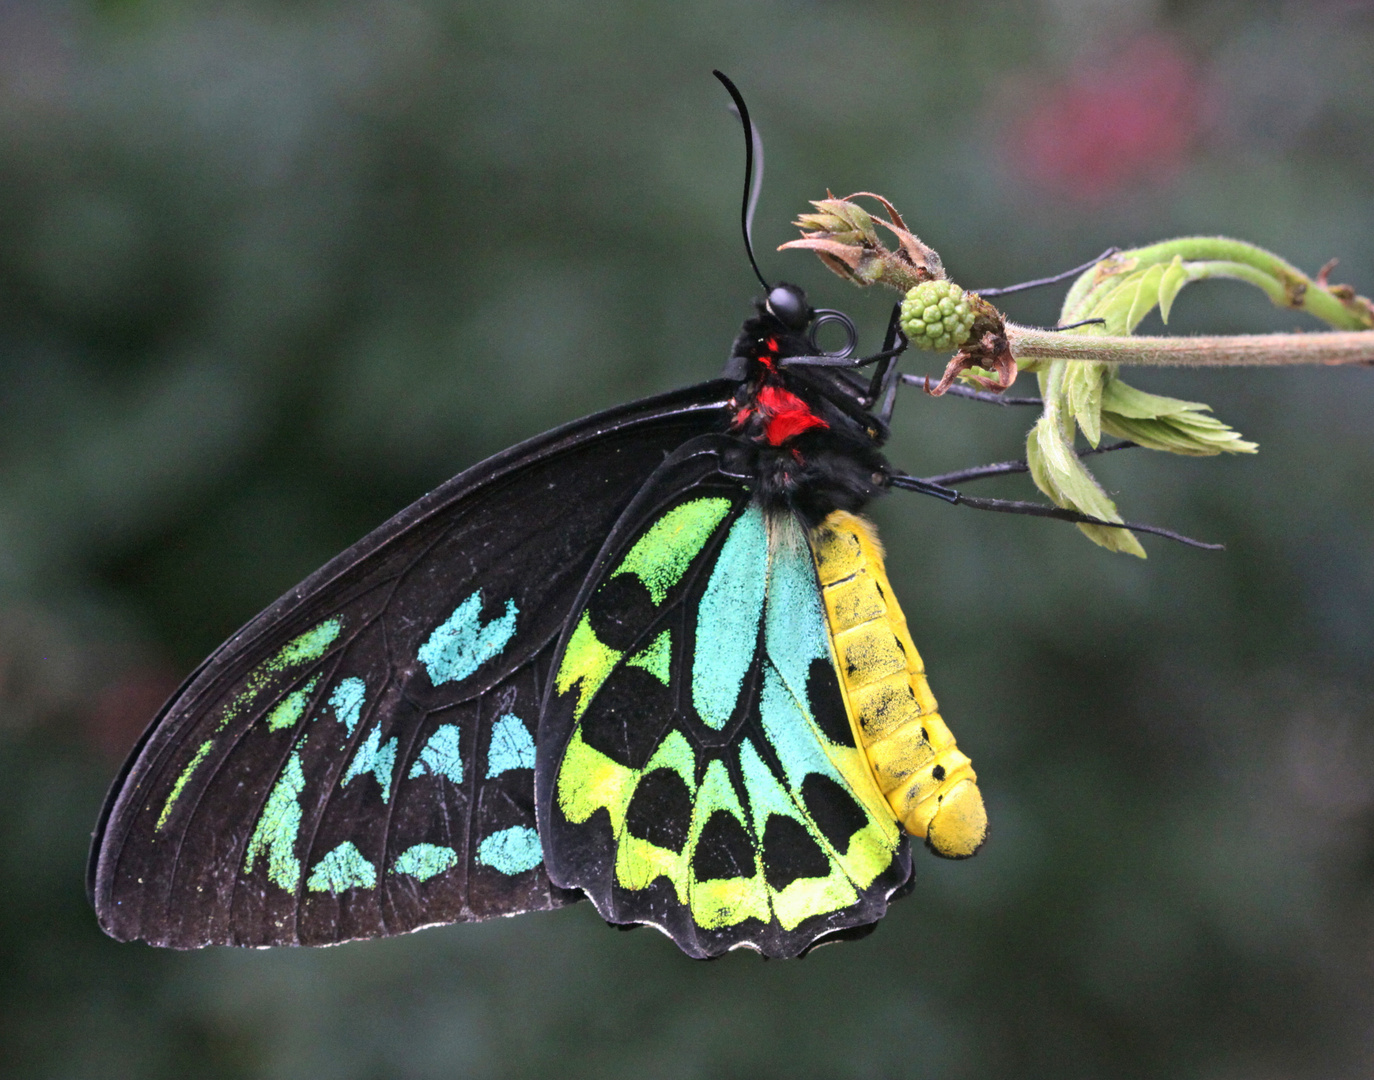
{"x": 304, "y": 649}
{"x": 752, "y": 802}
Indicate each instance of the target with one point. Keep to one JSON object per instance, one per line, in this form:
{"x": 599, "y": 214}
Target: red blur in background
{"x": 1125, "y": 118}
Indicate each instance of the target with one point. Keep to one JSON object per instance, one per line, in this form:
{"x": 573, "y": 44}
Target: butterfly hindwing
{"x": 698, "y": 771}
{"x": 358, "y": 760}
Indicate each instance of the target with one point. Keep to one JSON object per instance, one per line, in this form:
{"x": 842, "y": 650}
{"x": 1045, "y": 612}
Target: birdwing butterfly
{"x": 651, "y": 658}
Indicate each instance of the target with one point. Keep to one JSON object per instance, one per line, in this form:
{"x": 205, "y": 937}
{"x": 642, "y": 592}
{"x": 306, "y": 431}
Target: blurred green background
{"x": 270, "y": 271}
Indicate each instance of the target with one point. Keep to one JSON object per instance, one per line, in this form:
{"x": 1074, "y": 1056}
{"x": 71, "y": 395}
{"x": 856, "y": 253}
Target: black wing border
{"x": 702, "y": 398}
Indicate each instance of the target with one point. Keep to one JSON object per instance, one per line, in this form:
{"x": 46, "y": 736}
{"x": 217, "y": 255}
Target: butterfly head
{"x": 785, "y": 325}
{"x": 787, "y": 303}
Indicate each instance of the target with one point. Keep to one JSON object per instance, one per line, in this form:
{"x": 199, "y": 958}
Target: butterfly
{"x": 651, "y": 658}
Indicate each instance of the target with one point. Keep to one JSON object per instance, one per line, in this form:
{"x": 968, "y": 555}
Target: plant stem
{"x": 1240, "y": 350}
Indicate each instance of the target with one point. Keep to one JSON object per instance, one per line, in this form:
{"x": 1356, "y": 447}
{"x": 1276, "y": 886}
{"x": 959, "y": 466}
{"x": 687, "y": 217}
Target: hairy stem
{"x": 1240, "y": 350}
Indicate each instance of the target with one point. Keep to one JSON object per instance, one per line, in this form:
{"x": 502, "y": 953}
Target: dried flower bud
{"x": 842, "y": 234}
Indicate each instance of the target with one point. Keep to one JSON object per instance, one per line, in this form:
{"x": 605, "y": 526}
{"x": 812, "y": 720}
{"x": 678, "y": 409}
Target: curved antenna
{"x": 753, "y": 179}
{"x": 822, "y": 317}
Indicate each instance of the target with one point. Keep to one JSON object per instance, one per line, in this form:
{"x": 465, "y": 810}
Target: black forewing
{"x": 791, "y": 804}
{"x": 335, "y": 769}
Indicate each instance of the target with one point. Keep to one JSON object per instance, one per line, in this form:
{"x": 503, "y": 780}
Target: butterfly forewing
{"x": 358, "y": 760}
{"x": 698, "y": 770}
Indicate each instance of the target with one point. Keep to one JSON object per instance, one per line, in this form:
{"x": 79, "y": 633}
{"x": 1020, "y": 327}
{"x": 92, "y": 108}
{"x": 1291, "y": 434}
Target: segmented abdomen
{"x": 929, "y": 784}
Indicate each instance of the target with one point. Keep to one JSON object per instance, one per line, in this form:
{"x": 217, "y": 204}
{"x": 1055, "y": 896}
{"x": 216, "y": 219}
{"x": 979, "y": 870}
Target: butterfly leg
{"x": 1007, "y": 468}
{"x": 987, "y": 396}
{"x": 837, "y": 361}
{"x": 1070, "y": 326}
{"x": 1037, "y": 282}
{"x": 882, "y": 390}
{"x": 1033, "y": 509}
{"x": 894, "y": 344}
{"x": 844, "y": 389}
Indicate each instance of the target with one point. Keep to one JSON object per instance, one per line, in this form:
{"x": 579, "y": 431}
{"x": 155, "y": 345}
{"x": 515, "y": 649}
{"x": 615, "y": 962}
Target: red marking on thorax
{"x": 771, "y": 344}
{"x": 786, "y": 415}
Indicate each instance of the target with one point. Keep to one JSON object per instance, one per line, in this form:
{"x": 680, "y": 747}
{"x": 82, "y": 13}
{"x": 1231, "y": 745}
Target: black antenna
{"x": 753, "y": 181}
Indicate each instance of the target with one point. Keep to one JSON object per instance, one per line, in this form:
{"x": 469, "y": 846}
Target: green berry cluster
{"x": 936, "y": 315}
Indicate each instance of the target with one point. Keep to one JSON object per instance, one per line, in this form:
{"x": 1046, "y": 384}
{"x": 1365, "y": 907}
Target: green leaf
{"x": 1192, "y": 435}
{"x": 1121, "y": 290}
{"x": 1147, "y": 294}
{"x": 1083, "y": 394}
{"x": 1162, "y": 423}
{"x": 1055, "y": 455}
{"x": 1115, "y": 306}
{"x": 1128, "y": 401}
{"x": 1175, "y": 276}
{"x": 1060, "y": 474}
{"x": 1127, "y": 302}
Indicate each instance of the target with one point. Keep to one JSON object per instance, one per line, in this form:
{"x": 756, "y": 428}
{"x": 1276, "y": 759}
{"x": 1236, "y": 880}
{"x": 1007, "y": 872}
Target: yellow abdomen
{"x": 929, "y": 784}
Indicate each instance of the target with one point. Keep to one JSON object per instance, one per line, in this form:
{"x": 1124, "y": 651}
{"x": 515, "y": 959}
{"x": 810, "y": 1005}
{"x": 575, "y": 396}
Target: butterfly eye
{"x": 788, "y": 304}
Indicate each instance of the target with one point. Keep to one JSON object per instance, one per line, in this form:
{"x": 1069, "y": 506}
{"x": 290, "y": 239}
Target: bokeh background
{"x": 270, "y": 271}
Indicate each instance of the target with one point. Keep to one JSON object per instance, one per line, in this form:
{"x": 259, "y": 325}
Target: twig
{"x": 1240, "y": 350}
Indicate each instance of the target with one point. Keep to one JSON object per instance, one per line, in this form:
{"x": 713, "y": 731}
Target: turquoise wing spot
{"x": 766, "y": 795}
{"x": 375, "y": 757}
{"x": 343, "y": 868}
{"x": 795, "y": 634}
{"x": 661, "y": 556}
{"x": 728, "y": 619}
{"x": 512, "y": 746}
{"x": 442, "y": 755}
{"x": 657, "y": 659}
{"x": 424, "y": 861}
{"x": 182, "y": 780}
{"x": 292, "y": 707}
{"x": 347, "y": 702}
{"x": 795, "y": 630}
{"x": 275, "y": 833}
{"x": 790, "y": 731}
{"x": 462, "y": 644}
{"x": 511, "y": 851}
